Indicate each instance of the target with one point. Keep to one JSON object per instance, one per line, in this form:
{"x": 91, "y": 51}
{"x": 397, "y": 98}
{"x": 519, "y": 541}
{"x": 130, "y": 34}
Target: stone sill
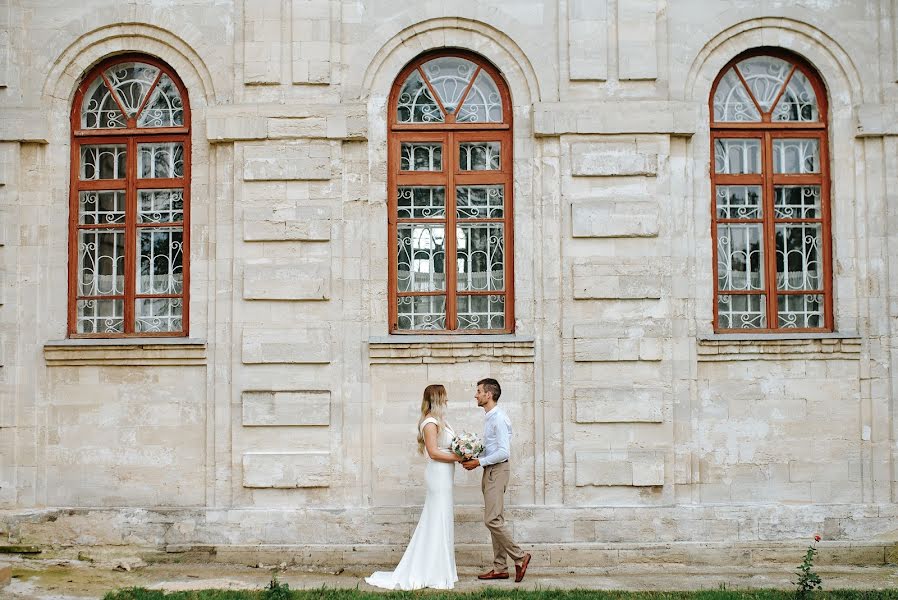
{"x": 421, "y": 349}
{"x": 125, "y": 352}
{"x": 778, "y": 346}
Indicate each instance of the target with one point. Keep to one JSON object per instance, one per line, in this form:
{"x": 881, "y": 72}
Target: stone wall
{"x": 287, "y": 417}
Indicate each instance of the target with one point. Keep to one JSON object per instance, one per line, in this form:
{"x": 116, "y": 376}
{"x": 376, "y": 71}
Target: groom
{"x": 494, "y": 460}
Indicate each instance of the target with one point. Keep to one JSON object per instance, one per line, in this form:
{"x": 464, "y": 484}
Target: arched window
{"x": 770, "y": 188}
{"x": 450, "y": 195}
{"x": 129, "y": 206}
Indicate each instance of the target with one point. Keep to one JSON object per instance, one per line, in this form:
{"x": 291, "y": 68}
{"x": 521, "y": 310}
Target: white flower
{"x": 467, "y": 445}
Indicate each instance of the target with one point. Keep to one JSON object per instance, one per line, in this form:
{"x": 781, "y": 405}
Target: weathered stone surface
{"x": 5, "y": 574}
{"x": 618, "y": 405}
{"x": 310, "y": 224}
{"x": 307, "y": 345}
{"x": 291, "y": 161}
{"x": 588, "y": 39}
{"x": 620, "y": 278}
{"x": 611, "y": 160}
{"x": 637, "y": 49}
{"x": 311, "y": 44}
{"x": 298, "y": 280}
{"x": 286, "y": 407}
{"x": 623, "y": 340}
{"x": 614, "y": 218}
{"x": 638, "y": 468}
{"x": 262, "y": 42}
{"x": 286, "y": 469}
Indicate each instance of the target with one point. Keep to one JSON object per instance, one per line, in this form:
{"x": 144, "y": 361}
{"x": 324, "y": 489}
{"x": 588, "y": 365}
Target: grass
{"x": 342, "y": 594}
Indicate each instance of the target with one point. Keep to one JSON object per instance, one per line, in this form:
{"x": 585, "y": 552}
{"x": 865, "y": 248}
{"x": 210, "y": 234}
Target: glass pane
{"x": 765, "y": 76}
{"x": 101, "y": 262}
{"x": 799, "y": 265}
{"x": 164, "y": 108}
{"x": 103, "y": 162}
{"x": 800, "y": 311}
{"x": 101, "y": 316}
{"x": 101, "y": 208}
{"x": 422, "y": 258}
{"x": 157, "y": 314}
{"x": 159, "y": 263}
{"x": 798, "y": 102}
{"x": 739, "y": 202}
{"x": 797, "y": 202}
{"x": 796, "y": 156}
{"x": 415, "y": 104}
{"x": 742, "y": 311}
{"x": 422, "y": 312}
{"x": 480, "y": 201}
{"x": 737, "y": 156}
{"x": 480, "y": 256}
{"x": 481, "y": 312}
{"x": 740, "y": 256}
{"x": 421, "y": 157}
{"x": 131, "y": 82}
{"x": 449, "y": 76}
{"x": 160, "y": 206}
{"x": 731, "y": 100}
{"x": 483, "y": 103}
{"x": 479, "y": 156}
{"x": 99, "y": 109}
{"x": 415, "y": 202}
{"x": 160, "y": 160}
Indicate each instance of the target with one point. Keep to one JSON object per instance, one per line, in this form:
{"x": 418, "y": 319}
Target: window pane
{"x": 480, "y": 202}
{"x": 153, "y": 315}
{"x": 796, "y": 156}
{"x": 422, "y": 258}
{"x": 415, "y": 202}
{"x": 797, "y": 202}
{"x": 449, "y": 76}
{"x": 103, "y": 162}
{"x": 481, "y": 312}
{"x": 160, "y": 160}
{"x": 422, "y": 312}
{"x": 742, "y": 311}
{"x": 101, "y": 262}
{"x": 738, "y": 202}
{"x": 799, "y": 101}
{"x": 159, "y": 262}
{"x": 732, "y": 102}
{"x": 421, "y": 157}
{"x": 479, "y": 156}
{"x": 740, "y": 257}
{"x": 483, "y": 103}
{"x": 737, "y": 156}
{"x": 100, "y": 208}
{"x": 164, "y": 108}
{"x": 101, "y": 316}
{"x": 798, "y": 262}
{"x": 415, "y": 104}
{"x": 160, "y": 206}
{"x": 481, "y": 256}
{"x": 99, "y": 109}
{"x": 765, "y": 76}
{"x": 800, "y": 311}
{"x": 131, "y": 82}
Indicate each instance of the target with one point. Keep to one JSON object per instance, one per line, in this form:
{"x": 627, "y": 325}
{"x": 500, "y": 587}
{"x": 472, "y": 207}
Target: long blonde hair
{"x": 434, "y": 404}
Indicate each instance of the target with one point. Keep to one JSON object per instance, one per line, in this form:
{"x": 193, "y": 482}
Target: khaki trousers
{"x": 495, "y": 481}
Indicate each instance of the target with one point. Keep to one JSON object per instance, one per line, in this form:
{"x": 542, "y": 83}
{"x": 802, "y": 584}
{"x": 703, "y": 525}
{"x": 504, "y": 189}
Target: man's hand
{"x": 471, "y": 464}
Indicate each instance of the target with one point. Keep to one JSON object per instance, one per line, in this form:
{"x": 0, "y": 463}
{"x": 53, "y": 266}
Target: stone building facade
{"x": 284, "y": 420}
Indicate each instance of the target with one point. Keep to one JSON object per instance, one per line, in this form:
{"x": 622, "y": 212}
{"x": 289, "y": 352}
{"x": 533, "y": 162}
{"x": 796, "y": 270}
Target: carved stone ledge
{"x": 426, "y": 349}
{"x": 731, "y": 347}
{"x": 125, "y": 352}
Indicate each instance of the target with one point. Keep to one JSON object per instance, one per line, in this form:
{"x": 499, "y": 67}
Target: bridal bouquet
{"x": 467, "y": 445}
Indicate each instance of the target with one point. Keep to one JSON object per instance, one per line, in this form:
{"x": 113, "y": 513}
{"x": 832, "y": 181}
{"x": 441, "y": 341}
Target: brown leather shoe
{"x": 493, "y": 575}
{"x": 521, "y": 570}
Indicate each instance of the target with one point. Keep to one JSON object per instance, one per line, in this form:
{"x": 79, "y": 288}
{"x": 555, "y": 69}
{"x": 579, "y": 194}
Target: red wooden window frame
{"x": 451, "y": 134}
{"x": 129, "y": 136}
{"x": 766, "y": 131}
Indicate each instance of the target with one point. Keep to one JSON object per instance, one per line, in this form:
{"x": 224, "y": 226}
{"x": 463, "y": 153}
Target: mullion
{"x": 131, "y": 251}
{"x": 449, "y": 160}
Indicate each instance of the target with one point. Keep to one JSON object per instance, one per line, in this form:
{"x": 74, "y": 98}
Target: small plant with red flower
{"x": 808, "y": 580}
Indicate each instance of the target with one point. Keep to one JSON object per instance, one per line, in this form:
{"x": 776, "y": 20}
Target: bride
{"x": 429, "y": 560}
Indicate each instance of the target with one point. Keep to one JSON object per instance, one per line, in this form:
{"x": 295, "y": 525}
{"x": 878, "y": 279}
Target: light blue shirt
{"x": 496, "y": 438}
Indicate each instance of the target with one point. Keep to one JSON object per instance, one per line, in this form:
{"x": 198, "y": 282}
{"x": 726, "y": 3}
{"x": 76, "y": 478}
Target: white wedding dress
{"x": 429, "y": 560}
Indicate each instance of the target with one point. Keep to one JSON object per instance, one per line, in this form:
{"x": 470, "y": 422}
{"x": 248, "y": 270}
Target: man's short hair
{"x": 492, "y": 386}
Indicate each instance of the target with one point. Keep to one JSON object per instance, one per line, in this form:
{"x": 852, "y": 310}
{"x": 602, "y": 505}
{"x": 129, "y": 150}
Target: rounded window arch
{"x": 450, "y": 195}
{"x": 770, "y": 195}
{"x": 129, "y": 204}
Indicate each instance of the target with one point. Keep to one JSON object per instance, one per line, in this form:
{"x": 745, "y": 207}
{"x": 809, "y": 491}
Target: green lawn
{"x": 328, "y": 594}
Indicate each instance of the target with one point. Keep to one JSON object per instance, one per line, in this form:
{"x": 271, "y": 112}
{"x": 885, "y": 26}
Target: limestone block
{"x": 637, "y": 55}
{"x": 287, "y": 407}
{"x": 614, "y": 218}
{"x": 619, "y": 278}
{"x": 262, "y": 42}
{"x": 621, "y": 340}
{"x": 227, "y": 128}
{"x": 310, "y": 345}
{"x": 308, "y": 279}
{"x": 297, "y": 127}
{"x": 616, "y": 116}
{"x": 609, "y": 160}
{"x": 286, "y": 469}
{"x": 303, "y": 161}
{"x": 4, "y": 55}
{"x": 588, "y": 39}
{"x": 618, "y": 405}
{"x": 639, "y": 468}
{"x": 311, "y": 224}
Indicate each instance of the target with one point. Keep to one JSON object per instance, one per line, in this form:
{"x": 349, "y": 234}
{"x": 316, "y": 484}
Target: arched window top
{"x": 450, "y": 88}
{"x": 769, "y": 87}
{"x": 135, "y": 92}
